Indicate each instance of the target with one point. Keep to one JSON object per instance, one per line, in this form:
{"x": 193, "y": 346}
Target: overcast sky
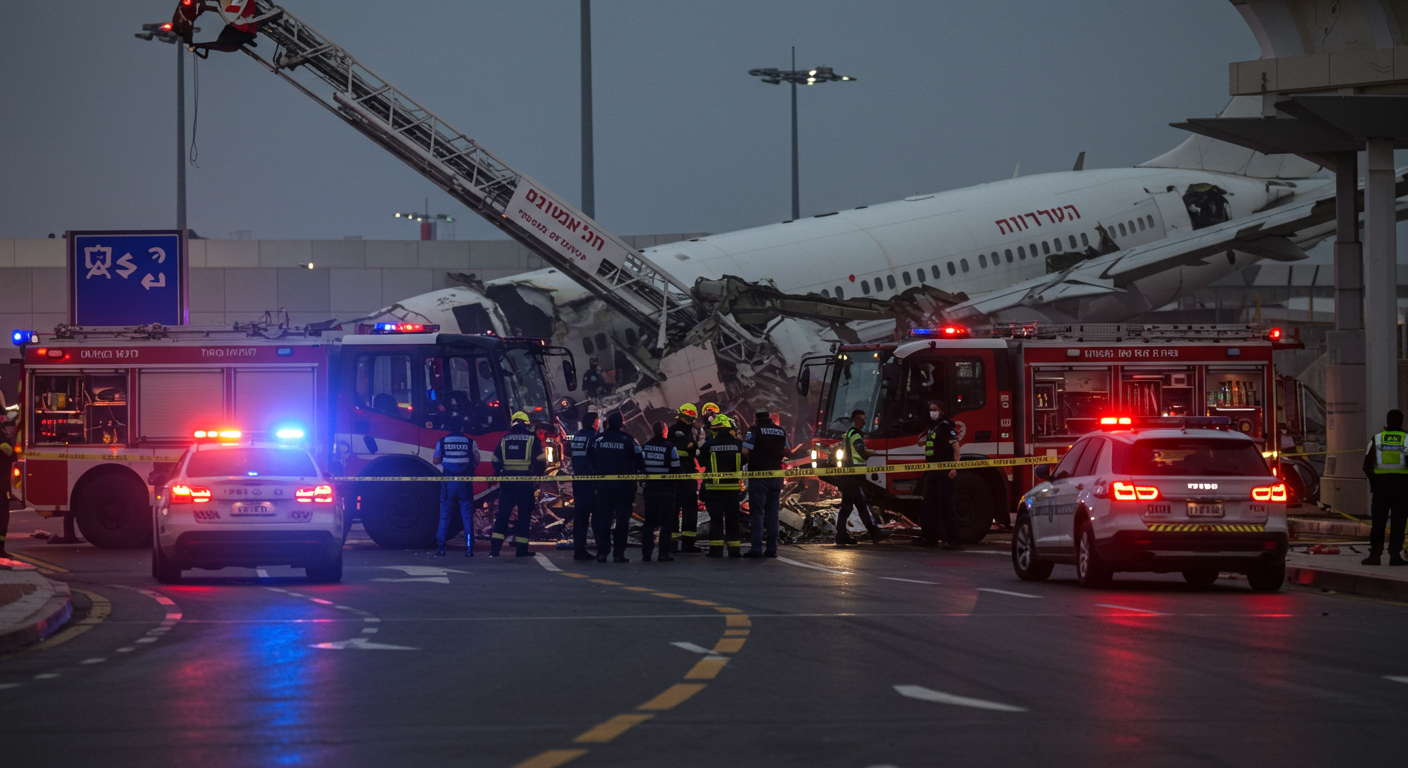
{"x": 948, "y": 95}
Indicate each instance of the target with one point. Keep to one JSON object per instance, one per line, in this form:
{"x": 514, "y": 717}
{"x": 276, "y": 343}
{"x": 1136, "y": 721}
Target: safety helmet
{"x": 720, "y": 421}
{"x": 710, "y": 409}
{"x": 519, "y": 417}
{"x": 689, "y": 410}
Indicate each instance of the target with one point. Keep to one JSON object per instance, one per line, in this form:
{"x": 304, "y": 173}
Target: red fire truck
{"x": 106, "y": 411}
{"x": 1031, "y": 390}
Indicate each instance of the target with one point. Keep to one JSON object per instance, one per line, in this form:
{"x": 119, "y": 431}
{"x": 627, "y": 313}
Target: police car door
{"x": 1076, "y": 488}
{"x": 1046, "y": 512}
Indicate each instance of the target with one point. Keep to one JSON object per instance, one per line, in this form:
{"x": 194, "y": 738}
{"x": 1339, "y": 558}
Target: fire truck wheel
{"x": 164, "y": 569}
{"x": 112, "y": 511}
{"x": 1024, "y": 558}
{"x": 402, "y": 515}
{"x": 973, "y": 503}
{"x": 327, "y": 572}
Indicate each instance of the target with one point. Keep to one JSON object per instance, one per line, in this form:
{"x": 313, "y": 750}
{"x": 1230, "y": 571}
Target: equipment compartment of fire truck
{"x": 1032, "y": 390}
{"x": 106, "y": 412}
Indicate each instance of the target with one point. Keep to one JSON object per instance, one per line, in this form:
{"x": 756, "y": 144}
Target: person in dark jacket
{"x": 764, "y": 447}
{"x": 723, "y": 453}
{"x": 687, "y": 492}
{"x": 521, "y": 453}
{"x": 457, "y": 456}
{"x": 852, "y": 487}
{"x": 1387, "y": 469}
{"x": 585, "y": 513}
{"x": 614, "y": 452}
{"x": 937, "y": 518}
{"x": 661, "y": 460}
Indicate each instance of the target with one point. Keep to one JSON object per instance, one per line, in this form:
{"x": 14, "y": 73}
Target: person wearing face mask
{"x": 940, "y": 444}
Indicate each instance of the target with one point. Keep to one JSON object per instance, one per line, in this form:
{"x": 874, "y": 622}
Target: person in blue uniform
{"x": 661, "y": 460}
{"x": 520, "y": 453}
{"x": 585, "y": 514}
{"x": 1387, "y": 469}
{"x": 764, "y": 447}
{"x": 457, "y": 456}
{"x": 614, "y": 452}
{"x": 937, "y": 518}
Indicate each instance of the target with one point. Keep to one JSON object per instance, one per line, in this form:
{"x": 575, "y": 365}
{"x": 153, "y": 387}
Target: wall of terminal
{"x": 239, "y": 280}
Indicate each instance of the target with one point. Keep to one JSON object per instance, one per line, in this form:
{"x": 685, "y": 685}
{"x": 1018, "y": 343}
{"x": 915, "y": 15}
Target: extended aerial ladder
{"x": 534, "y": 216}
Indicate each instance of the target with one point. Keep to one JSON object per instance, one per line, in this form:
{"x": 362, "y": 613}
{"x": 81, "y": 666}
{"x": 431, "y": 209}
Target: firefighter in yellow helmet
{"x": 723, "y": 453}
{"x": 520, "y": 452}
{"x": 681, "y": 435}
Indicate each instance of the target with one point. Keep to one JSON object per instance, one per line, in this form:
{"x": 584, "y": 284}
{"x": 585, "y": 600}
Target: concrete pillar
{"x": 1342, "y": 485}
{"x": 1380, "y": 285}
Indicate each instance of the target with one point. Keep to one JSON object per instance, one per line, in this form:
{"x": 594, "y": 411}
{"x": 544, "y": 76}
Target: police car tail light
{"x": 1275, "y": 492}
{"x": 320, "y": 495}
{"x": 1132, "y": 492}
{"x": 188, "y": 494}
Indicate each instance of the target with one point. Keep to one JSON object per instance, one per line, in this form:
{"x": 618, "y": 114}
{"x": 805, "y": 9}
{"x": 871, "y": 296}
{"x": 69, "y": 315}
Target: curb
{"x": 1341, "y": 528}
{"x": 54, "y": 613}
{"x": 1348, "y": 583}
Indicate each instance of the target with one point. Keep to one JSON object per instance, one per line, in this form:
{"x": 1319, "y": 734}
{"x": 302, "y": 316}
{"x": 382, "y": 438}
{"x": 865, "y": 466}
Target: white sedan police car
{"x": 235, "y": 502}
{"x": 1162, "y": 495}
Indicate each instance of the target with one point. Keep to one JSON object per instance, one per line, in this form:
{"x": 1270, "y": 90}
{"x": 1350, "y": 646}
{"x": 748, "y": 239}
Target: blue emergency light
{"x": 404, "y": 328}
{"x": 21, "y": 338}
{"x": 289, "y": 433}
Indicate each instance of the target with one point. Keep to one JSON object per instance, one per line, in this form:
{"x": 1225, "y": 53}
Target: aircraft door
{"x": 1173, "y": 212}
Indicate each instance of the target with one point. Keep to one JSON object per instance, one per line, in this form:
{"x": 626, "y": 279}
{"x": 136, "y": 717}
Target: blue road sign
{"x": 127, "y": 278}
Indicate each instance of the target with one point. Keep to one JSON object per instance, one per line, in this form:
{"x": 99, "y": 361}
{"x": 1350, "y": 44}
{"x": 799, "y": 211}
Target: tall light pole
{"x": 163, "y": 33}
{"x": 588, "y": 169}
{"x": 796, "y": 77}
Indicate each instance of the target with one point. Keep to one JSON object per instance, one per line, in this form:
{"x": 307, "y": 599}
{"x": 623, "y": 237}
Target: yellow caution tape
{"x": 40, "y": 455}
{"x": 750, "y": 475}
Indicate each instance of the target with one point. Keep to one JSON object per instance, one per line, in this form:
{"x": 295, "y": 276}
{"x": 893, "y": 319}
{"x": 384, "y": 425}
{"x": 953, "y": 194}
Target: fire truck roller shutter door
{"x": 266, "y": 400}
{"x": 174, "y": 404}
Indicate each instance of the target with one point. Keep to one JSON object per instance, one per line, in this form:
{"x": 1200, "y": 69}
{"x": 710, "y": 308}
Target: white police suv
{"x": 233, "y": 501}
{"x": 1162, "y": 495}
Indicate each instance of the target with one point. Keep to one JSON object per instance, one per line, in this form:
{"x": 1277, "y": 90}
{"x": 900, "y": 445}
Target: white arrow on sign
{"x": 149, "y": 283}
{"x": 158, "y": 254}
{"x": 428, "y": 573}
{"x": 125, "y": 266}
{"x": 361, "y": 644}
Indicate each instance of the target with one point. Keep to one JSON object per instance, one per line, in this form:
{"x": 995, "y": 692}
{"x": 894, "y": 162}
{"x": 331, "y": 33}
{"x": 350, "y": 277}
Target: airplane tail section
{"x": 1201, "y": 153}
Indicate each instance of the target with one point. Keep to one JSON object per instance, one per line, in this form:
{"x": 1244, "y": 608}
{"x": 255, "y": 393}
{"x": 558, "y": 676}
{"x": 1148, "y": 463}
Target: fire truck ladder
{"x": 635, "y": 287}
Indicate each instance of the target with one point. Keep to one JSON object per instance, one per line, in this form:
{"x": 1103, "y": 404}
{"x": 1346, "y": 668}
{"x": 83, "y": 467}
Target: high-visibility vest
{"x": 516, "y": 452}
{"x": 854, "y": 441}
{"x": 1388, "y": 453}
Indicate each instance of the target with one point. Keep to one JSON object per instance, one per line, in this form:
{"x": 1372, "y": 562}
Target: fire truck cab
{"x": 106, "y": 412}
{"x": 1031, "y": 390}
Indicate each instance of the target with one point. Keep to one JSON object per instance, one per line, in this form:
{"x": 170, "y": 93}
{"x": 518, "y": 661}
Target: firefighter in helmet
{"x": 681, "y": 435}
{"x": 519, "y": 453}
{"x": 723, "y": 453}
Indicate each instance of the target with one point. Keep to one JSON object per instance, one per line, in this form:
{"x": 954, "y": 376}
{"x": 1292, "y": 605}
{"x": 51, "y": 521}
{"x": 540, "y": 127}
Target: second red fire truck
{"x": 106, "y": 411}
{"x": 1032, "y": 390}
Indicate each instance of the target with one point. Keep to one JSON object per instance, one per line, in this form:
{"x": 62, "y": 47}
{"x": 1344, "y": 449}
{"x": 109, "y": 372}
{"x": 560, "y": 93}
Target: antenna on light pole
{"x": 588, "y": 171}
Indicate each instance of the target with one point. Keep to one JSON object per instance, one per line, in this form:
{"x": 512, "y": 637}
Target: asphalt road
{"x": 875, "y": 656}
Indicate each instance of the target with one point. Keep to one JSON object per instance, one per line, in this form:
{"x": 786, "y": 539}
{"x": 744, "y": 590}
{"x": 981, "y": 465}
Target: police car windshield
{"x": 251, "y": 462}
{"x": 1196, "y": 456}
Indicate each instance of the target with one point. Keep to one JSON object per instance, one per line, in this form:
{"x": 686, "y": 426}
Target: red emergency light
{"x": 1116, "y": 421}
{"x": 218, "y": 434}
{"x": 52, "y": 354}
{"x": 1274, "y": 334}
{"x": 944, "y": 332}
{"x": 383, "y": 328}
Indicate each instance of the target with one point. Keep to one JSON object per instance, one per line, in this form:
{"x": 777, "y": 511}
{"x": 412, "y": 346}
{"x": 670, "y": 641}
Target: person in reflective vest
{"x": 852, "y": 487}
{"x": 764, "y": 447}
{"x": 661, "y": 459}
{"x": 614, "y": 452}
{"x": 584, "y": 514}
{"x": 686, "y": 492}
{"x": 457, "y": 456}
{"x": 723, "y": 452}
{"x": 937, "y": 518}
{"x": 1387, "y": 469}
{"x": 520, "y": 453}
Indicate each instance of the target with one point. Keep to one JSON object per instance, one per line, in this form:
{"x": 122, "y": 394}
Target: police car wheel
{"x": 1091, "y": 571}
{"x": 1201, "y": 577}
{"x": 1268, "y": 579}
{"x": 328, "y": 571}
{"x": 1024, "y": 558}
{"x": 163, "y": 569}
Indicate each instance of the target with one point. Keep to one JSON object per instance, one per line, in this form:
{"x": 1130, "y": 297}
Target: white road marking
{"x": 344, "y": 608}
{"x": 369, "y": 630}
{"x": 431, "y": 579}
{"x": 799, "y": 564}
{"x": 938, "y": 697}
{"x": 146, "y": 639}
{"x": 1396, "y": 678}
{"x": 911, "y": 581}
{"x": 371, "y": 619}
{"x": 362, "y": 644}
{"x": 692, "y": 648}
{"x": 545, "y": 562}
{"x": 321, "y": 601}
{"x": 46, "y": 676}
{"x": 128, "y": 649}
{"x": 1127, "y": 608}
{"x": 1005, "y": 592}
{"x": 8, "y": 686}
{"x": 422, "y": 570}
{"x": 263, "y": 574}
{"x": 92, "y": 661}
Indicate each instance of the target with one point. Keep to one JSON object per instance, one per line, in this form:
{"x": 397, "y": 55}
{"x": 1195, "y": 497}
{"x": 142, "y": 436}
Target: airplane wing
{"x": 1278, "y": 234}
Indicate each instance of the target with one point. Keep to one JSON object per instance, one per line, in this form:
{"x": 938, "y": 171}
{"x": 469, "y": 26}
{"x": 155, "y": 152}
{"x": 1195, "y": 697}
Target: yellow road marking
{"x": 668, "y": 594}
{"x": 574, "y": 575}
{"x": 607, "y": 582}
{"x": 611, "y": 729}
{"x": 722, "y": 609}
{"x": 701, "y": 602}
{"x": 640, "y": 589}
{"x": 102, "y": 608}
{"x": 729, "y": 645}
{"x": 673, "y": 696}
{"x": 738, "y": 620}
{"x": 737, "y": 631}
{"x": 706, "y": 669}
{"x": 552, "y": 758}
{"x": 41, "y": 563}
